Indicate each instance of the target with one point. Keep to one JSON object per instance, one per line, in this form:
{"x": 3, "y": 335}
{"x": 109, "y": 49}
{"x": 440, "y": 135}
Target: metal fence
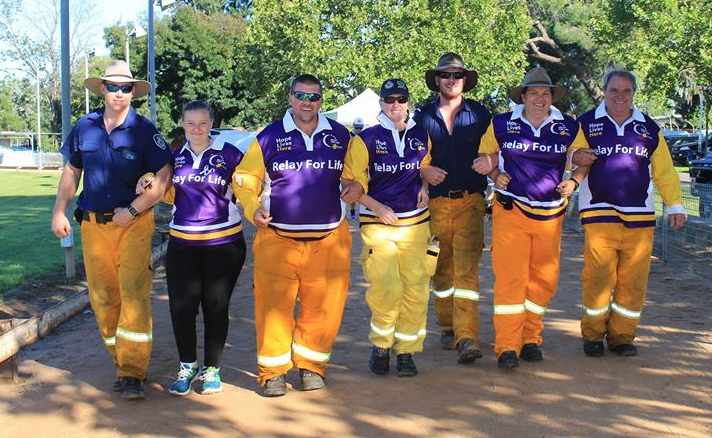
{"x": 689, "y": 248}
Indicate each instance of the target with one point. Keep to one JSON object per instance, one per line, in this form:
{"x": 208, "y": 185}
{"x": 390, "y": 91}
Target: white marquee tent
{"x": 365, "y": 105}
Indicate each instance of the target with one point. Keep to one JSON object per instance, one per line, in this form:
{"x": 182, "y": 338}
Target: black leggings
{"x": 202, "y": 276}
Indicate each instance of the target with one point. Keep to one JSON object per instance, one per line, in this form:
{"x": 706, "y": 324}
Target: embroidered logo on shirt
{"x": 595, "y": 129}
{"x": 415, "y": 144}
{"x": 560, "y": 129}
{"x": 283, "y": 144}
{"x": 160, "y": 142}
{"x": 217, "y": 161}
{"x": 331, "y": 141}
{"x": 513, "y": 127}
{"x": 381, "y": 147}
{"x": 641, "y": 130}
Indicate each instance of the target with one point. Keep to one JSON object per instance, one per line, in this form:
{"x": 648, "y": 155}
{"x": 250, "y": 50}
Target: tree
{"x": 196, "y": 58}
{"x": 30, "y": 33}
{"x": 352, "y": 44}
{"x": 10, "y": 118}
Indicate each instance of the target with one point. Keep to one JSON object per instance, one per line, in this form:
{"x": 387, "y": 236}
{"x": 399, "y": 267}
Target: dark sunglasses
{"x": 311, "y": 97}
{"x": 451, "y": 74}
{"x": 113, "y": 88}
{"x": 393, "y": 99}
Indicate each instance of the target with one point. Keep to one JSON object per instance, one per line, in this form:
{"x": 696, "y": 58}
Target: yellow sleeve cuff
{"x": 247, "y": 180}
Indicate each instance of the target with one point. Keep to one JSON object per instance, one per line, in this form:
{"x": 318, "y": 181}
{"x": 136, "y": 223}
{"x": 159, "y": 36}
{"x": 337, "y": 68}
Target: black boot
{"x": 379, "y": 360}
{"x": 405, "y": 365}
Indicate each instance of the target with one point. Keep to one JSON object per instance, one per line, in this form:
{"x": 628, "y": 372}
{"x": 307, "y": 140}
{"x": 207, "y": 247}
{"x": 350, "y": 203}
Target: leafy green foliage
{"x": 351, "y": 45}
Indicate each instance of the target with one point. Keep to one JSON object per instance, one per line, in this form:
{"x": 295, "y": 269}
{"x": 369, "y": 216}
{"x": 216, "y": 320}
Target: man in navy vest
{"x": 457, "y": 207}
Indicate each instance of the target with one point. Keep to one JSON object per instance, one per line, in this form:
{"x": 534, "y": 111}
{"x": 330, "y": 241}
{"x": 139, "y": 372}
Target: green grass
{"x": 28, "y": 249}
{"x": 683, "y": 169}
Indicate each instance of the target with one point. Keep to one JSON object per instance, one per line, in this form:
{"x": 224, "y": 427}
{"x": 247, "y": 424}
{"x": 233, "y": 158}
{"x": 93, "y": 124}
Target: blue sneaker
{"x": 210, "y": 377}
{"x": 186, "y": 375}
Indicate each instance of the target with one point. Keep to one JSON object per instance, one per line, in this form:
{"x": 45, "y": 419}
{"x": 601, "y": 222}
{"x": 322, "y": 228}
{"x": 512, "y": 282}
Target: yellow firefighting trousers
{"x": 316, "y": 273}
{"x": 459, "y": 226}
{"x": 525, "y": 261}
{"x": 614, "y": 281}
{"x": 397, "y": 265}
{"x": 117, "y": 263}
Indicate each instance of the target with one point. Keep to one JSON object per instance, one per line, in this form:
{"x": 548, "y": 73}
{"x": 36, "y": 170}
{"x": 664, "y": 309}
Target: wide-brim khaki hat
{"x": 451, "y": 60}
{"x": 537, "y": 77}
{"x": 118, "y": 71}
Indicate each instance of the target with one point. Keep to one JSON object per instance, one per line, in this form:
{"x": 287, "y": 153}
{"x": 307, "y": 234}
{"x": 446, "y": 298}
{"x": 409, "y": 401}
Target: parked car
{"x": 684, "y": 151}
{"x": 701, "y": 179}
{"x": 241, "y": 139}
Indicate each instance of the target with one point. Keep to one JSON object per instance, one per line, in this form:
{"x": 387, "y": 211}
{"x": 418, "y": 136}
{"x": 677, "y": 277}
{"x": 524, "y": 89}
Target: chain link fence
{"x": 689, "y": 248}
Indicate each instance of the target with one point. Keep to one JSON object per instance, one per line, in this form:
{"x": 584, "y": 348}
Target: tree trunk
{"x": 533, "y": 52}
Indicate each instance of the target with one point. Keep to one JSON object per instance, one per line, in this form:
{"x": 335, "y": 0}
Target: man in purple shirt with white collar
{"x": 617, "y": 211}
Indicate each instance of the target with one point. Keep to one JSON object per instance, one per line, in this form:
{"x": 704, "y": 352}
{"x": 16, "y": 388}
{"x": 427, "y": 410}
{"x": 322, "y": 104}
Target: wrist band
{"x": 132, "y": 210}
{"x": 575, "y": 182}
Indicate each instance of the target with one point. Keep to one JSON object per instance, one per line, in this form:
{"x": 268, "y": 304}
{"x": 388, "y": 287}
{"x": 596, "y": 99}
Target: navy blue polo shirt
{"x": 112, "y": 164}
{"x": 455, "y": 153}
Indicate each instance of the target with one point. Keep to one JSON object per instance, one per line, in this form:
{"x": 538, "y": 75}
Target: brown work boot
{"x": 467, "y": 351}
{"x": 447, "y": 340}
{"x": 275, "y": 387}
{"x": 310, "y": 380}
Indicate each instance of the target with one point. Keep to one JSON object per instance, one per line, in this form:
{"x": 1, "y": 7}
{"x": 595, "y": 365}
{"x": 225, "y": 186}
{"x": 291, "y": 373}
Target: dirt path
{"x": 664, "y": 392}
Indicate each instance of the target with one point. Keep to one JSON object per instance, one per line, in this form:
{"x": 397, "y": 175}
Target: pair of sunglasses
{"x": 451, "y": 74}
{"x": 311, "y": 97}
{"x": 113, "y": 88}
{"x": 393, "y": 99}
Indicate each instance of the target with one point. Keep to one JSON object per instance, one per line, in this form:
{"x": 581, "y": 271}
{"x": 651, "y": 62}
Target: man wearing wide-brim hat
{"x": 457, "y": 207}
{"x": 112, "y": 147}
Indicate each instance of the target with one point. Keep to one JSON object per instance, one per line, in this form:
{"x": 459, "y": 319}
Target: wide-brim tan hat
{"x": 537, "y": 77}
{"x": 451, "y": 60}
{"x": 118, "y": 71}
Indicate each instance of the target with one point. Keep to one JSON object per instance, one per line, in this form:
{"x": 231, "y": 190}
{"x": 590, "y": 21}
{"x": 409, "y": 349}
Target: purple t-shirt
{"x": 619, "y": 180}
{"x": 394, "y": 180}
{"x": 536, "y": 163}
{"x": 204, "y": 208}
{"x": 303, "y": 185}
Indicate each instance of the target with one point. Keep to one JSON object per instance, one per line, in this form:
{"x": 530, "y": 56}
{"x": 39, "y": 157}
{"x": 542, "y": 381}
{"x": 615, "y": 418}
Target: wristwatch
{"x": 132, "y": 210}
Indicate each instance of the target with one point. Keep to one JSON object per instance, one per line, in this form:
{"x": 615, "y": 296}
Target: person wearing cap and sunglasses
{"x": 290, "y": 185}
{"x": 532, "y": 143}
{"x": 617, "y": 211}
{"x": 112, "y": 147}
{"x": 386, "y": 160}
{"x": 457, "y": 204}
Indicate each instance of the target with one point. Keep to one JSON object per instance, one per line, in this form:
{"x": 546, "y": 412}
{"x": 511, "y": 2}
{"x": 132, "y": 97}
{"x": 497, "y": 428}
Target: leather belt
{"x": 99, "y": 218}
{"x": 458, "y": 194}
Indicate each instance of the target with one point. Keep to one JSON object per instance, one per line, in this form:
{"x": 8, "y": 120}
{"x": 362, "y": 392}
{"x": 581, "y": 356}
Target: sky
{"x": 109, "y": 13}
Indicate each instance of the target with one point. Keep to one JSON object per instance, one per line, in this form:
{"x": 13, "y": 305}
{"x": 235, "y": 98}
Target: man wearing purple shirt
{"x": 618, "y": 214}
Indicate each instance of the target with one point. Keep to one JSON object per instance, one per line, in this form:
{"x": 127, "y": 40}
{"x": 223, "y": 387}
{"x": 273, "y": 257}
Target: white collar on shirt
{"x": 620, "y": 129}
{"x": 385, "y": 122}
{"x": 518, "y": 113}
{"x": 289, "y": 125}
{"x": 601, "y": 112}
{"x": 218, "y": 146}
{"x": 388, "y": 123}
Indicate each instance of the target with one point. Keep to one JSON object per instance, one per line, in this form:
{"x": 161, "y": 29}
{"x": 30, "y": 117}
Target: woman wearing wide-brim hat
{"x": 532, "y": 142}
